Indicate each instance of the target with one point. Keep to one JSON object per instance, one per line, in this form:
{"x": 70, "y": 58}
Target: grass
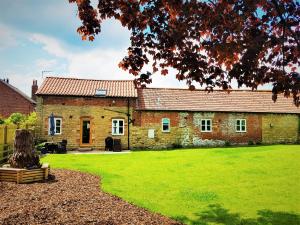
{"x": 201, "y": 186}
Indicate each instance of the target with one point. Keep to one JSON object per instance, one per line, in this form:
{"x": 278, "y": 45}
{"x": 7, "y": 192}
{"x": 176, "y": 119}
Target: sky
{"x": 39, "y": 35}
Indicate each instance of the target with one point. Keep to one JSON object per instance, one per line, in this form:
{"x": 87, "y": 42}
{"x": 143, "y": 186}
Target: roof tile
{"x": 86, "y": 87}
{"x": 199, "y": 100}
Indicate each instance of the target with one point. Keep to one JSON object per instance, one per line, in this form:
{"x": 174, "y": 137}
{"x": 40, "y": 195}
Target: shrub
{"x": 40, "y": 146}
{"x": 250, "y": 142}
{"x": 15, "y": 118}
{"x": 29, "y": 121}
{"x": 227, "y": 143}
{"x": 21, "y": 120}
{"x": 176, "y": 145}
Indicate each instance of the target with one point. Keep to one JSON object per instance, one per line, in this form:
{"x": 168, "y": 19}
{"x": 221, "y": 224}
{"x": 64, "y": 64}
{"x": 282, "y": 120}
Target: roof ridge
{"x": 76, "y": 78}
{"x": 221, "y": 90}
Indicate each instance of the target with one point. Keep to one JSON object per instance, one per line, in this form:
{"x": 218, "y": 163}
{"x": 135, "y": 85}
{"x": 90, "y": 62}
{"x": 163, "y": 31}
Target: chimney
{"x": 34, "y": 89}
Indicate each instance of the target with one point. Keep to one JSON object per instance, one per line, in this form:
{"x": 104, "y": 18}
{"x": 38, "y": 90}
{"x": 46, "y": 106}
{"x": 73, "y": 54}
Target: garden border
{"x": 24, "y": 175}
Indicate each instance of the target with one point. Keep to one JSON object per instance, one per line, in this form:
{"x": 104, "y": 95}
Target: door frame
{"x": 85, "y": 118}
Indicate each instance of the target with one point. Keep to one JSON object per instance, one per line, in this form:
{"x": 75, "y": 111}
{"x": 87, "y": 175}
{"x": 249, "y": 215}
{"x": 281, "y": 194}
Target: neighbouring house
{"x": 12, "y": 100}
{"x": 88, "y": 111}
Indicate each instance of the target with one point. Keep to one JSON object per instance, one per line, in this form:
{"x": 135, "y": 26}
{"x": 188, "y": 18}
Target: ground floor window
{"x": 117, "y": 127}
{"x": 165, "y": 125}
{"x": 57, "y": 126}
{"x": 240, "y": 125}
{"x": 206, "y": 125}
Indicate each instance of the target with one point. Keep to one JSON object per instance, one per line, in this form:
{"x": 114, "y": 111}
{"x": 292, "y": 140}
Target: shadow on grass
{"x": 218, "y": 215}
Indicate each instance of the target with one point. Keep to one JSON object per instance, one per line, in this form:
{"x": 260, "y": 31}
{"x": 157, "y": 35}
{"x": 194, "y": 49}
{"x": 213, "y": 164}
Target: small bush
{"x": 40, "y": 146}
{"x": 15, "y": 118}
{"x": 227, "y": 143}
{"x": 176, "y": 146}
{"x": 250, "y": 142}
{"x": 258, "y": 143}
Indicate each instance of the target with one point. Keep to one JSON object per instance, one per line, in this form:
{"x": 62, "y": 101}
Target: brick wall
{"x": 186, "y": 129}
{"x": 100, "y": 111}
{"x": 11, "y": 102}
{"x": 280, "y": 128}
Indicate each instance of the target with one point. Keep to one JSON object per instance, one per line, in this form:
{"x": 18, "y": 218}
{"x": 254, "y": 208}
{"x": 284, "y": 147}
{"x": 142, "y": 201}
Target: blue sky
{"x": 38, "y": 36}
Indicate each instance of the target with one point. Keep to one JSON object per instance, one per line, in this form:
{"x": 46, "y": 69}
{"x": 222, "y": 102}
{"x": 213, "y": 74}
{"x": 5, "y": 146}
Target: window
{"x": 57, "y": 126}
{"x": 240, "y": 125}
{"x": 117, "y": 127}
{"x": 206, "y": 125}
{"x": 165, "y": 125}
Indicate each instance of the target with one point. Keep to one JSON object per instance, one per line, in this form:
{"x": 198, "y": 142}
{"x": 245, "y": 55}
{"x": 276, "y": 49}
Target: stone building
{"x": 172, "y": 117}
{"x": 12, "y": 100}
{"x": 88, "y": 111}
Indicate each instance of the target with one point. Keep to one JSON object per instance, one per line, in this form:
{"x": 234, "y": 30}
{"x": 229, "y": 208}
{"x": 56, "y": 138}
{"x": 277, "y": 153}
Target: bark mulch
{"x": 70, "y": 198}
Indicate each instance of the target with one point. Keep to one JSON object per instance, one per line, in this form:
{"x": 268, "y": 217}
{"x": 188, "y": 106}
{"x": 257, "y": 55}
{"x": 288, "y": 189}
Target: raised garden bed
{"x": 24, "y": 175}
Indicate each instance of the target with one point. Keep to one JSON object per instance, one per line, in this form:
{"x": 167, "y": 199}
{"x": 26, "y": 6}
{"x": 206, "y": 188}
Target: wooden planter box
{"x": 24, "y": 175}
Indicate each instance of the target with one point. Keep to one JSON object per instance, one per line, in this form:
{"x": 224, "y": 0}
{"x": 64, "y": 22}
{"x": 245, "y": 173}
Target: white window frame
{"x": 206, "y": 124}
{"x": 162, "y": 125}
{"x": 55, "y": 119}
{"x": 240, "y": 126}
{"x": 118, "y": 127}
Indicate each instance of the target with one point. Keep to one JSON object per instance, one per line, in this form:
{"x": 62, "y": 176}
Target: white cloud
{"x": 8, "y": 38}
{"x": 51, "y": 45}
{"x": 98, "y": 64}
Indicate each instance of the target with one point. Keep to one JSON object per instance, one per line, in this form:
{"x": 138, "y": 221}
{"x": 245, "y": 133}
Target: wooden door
{"x": 85, "y": 132}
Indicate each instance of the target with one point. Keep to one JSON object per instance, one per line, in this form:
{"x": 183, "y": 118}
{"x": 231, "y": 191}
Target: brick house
{"x": 12, "y": 100}
{"x": 88, "y": 111}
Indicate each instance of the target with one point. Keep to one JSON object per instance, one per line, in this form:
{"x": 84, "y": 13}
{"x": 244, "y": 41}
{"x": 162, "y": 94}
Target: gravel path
{"x": 71, "y": 198}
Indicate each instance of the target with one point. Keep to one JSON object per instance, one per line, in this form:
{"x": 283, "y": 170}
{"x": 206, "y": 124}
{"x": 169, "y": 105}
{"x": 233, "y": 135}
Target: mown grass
{"x": 202, "y": 186}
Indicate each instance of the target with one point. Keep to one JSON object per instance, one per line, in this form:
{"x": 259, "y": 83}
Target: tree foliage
{"x": 16, "y": 119}
{"x": 209, "y": 42}
{"x": 21, "y": 120}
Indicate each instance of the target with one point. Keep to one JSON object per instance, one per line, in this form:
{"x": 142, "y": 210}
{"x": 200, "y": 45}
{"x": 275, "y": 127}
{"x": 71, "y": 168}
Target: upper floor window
{"x": 206, "y": 125}
{"x": 165, "y": 124}
{"x": 117, "y": 127}
{"x": 57, "y": 126}
{"x": 240, "y": 125}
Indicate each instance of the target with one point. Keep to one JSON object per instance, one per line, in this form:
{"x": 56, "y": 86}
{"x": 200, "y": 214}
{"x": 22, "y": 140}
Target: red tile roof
{"x": 86, "y": 87}
{"x": 236, "y": 101}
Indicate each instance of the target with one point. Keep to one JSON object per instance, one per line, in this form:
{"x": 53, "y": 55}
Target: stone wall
{"x": 71, "y": 110}
{"x": 280, "y": 128}
{"x": 186, "y": 129}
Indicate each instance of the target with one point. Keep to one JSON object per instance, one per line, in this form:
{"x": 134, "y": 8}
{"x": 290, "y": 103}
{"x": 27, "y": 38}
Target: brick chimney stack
{"x": 34, "y": 89}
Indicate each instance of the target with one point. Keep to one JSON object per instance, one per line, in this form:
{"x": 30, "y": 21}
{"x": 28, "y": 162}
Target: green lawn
{"x": 242, "y": 185}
